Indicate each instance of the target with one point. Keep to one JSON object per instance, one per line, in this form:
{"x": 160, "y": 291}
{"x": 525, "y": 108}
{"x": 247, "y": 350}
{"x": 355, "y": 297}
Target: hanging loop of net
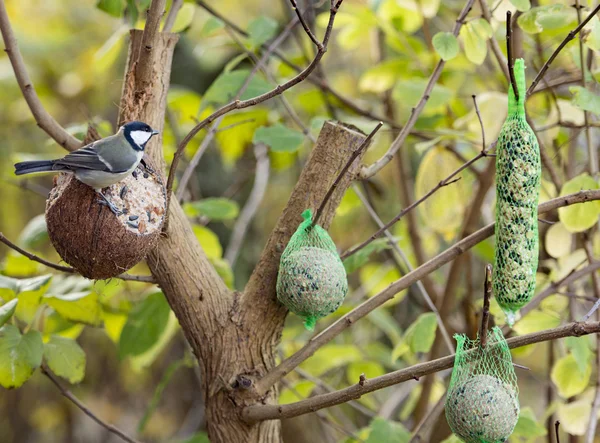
{"x": 518, "y": 172}
{"x": 482, "y": 404}
{"x": 312, "y": 281}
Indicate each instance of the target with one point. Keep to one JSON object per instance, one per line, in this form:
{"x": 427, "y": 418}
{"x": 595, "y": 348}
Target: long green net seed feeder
{"x": 312, "y": 281}
{"x": 518, "y": 172}
{"x": 482, "y": 404}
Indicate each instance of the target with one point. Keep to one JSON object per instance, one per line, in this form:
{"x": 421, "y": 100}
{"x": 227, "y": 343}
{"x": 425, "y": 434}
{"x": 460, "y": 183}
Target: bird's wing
{"x": 88, "y": 158}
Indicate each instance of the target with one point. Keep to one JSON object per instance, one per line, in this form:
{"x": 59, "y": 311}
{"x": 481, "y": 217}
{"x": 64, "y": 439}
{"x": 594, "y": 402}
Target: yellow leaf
{"x": 558, "y": 240}
{"x": 535, "y": 321}
{"x": 567, "y": 378}
{"x": 574, "y": 417}
{"x": 209, "y": 241}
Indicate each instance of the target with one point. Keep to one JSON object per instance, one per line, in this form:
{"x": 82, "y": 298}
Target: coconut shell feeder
{"x": 96, "y": 242}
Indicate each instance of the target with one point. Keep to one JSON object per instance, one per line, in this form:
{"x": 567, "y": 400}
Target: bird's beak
{"x": 154, "y": 132}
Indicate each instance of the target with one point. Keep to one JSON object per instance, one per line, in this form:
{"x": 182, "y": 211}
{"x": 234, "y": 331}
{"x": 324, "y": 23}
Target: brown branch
{"x": 510, "y": 59}
{"x": 256, "y": 413}
{"x": 390, "y": 292}
{"x": 145, "y": 62}
{"x": 556, "y": 426}
{"x": 69, "y": 270}
{"x": 570, "y": 36}
{"x": 485, "y": 11}
{"x": 369, "y": 171}
{"x": 41, "y": 116}
{"x": 357, "y": 152}
{"x": 69, "y": 395}
{"x": 237, "y": 104}
{"x": 310, "y": 34}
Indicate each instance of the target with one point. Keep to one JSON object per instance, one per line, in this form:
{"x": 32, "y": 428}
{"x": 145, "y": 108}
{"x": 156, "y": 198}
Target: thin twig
{"x": 556, "y": 426}
{"x": 485, "y": 11}
{"x": 394, "y": 244}
{"x": 43, "y": 119}
{"x": 242, "y": 224}
{"x": 285, "y": 103}
{"x": 483, "y": 145}
{"x": 404, "y": 282}
{"x": 366, "y": 142}
{"x": 310, "y": 34}
{"x": 33, "y": 257}
{"x": 570, "y": 36}
{"x": 69, "y": 395}
{"x": 447, "y": 181}
{"x": 172, "y": 15}
{"x": 237, "y": 104}
{"x": 510, "y": 60}
{"x": 485, "y": 314}
{"x": 256, "y": 413}
{"x": 369, "y": 171}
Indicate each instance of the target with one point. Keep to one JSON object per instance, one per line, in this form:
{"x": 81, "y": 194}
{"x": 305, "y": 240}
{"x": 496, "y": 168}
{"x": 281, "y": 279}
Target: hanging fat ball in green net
{"x": 312, "y": 281}
{"x": 482, "y": 403}
{"x": 518, "y": 172}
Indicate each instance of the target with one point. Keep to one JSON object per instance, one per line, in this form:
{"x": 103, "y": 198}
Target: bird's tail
{"x": 33, "y": 166}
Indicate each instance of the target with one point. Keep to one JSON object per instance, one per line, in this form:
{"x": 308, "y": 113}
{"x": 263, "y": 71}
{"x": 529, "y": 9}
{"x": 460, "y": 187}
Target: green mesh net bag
{"x": 312, "y": 280}
{"x": 482, "y": 404}
{"x": 518, "y": 172}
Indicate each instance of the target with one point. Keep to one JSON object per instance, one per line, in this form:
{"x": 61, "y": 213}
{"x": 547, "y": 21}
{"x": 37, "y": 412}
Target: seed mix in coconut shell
{"x": 96, "y": 242}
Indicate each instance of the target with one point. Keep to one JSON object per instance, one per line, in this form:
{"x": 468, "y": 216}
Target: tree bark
{"x": 233, "y": 335}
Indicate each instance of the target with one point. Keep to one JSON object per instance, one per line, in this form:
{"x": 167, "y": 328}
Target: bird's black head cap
{"x": 138, "y": 134}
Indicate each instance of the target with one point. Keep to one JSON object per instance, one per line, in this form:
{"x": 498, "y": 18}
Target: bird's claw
{"x": 106, "y": 202}
{"x": 147, "y": 166}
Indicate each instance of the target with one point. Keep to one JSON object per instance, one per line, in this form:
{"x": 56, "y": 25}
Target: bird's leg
{"x": 146, "y": 166}
{"x": 106, "y": 202}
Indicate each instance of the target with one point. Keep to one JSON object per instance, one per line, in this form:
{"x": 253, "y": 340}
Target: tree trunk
{"x": 233, "y": 335}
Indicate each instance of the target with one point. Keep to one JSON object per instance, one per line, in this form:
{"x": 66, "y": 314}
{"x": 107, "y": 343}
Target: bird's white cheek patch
{"x": 140, "y": 137}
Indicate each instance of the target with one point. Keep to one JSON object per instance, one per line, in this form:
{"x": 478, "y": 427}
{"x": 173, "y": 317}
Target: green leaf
{"x": 228, "y": 84}
{"x": 209, "y": 241}
{"x": 409, "y": 92}
{"x": 200, "y": 437}
{"x": 475, "y": 42}
{"x": 371, "y": 369}
{"x": 83, "y": 307}
{"x": 535, "y": 321}
{"x": 521, "y": 5}
{"x": 261, "y": 30}
{"x": 112, "y": 7}
{"x": 528, "y": 426}
{"x": 332, "y": 356}
{"x": 279, "y": 138}
{"x": 34, "y": 233}
{"x": 446, "y": 45}
{"x": 383, "y": 430}
{"x": 592, "y": 39}
{"x": 585, "y": 99}
{"x": 359, "y": 259}
{"x": 575, "y": 417}
{"x": 224, "y": 270}
{"x": 381, "y": 77}
{"x": 210, "y": 26}
{"x": 144, "y": 326}
{"x": 65, "y": 357}
{"x": 579, "y": 347}
{"x": 132, "y": 12}
{"x": 301, "y": 390}
{"x": 563, "y": 376}
{"x": 216, "y": 208}
{"x": 20, "y": 355}
{"x": 422, "y": 332}
{"x": 581, "y": 216}
{"x": 184, "y": 18}
{"x": 548, "y": 17}
{"x": 7, "y": 310}
{"x": 24, "y": 285}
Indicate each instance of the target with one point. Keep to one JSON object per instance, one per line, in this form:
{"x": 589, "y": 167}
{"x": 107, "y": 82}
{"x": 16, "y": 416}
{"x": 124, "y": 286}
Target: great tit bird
{"x": 101, "y": 163}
